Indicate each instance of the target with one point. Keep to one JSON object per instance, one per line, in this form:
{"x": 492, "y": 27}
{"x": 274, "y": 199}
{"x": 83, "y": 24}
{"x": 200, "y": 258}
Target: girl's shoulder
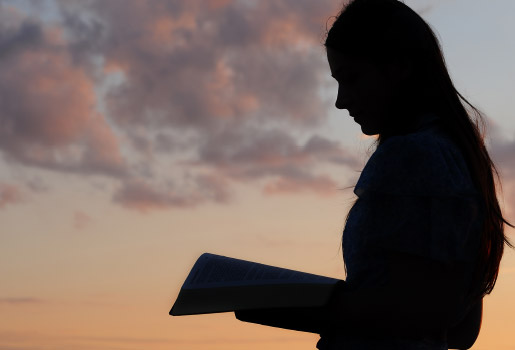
{"x": 426, "y": 162}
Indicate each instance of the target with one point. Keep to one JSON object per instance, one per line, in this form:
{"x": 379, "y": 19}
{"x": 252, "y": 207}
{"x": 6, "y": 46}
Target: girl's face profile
{"x": 368, "y": 91}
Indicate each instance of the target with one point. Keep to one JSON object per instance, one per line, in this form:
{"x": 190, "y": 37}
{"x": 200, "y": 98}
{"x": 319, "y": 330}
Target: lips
{"x": 352, "y": 111}
{"x": 353, "y": 114}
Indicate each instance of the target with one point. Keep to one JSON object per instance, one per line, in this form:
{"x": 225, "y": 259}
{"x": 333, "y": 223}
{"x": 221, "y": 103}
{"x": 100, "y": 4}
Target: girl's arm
{"x": 298, "y": 319}
{"x": 418, "y": 302}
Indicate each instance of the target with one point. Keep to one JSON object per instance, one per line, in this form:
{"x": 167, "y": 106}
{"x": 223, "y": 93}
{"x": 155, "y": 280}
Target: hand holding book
{"x": 305, "y": 319}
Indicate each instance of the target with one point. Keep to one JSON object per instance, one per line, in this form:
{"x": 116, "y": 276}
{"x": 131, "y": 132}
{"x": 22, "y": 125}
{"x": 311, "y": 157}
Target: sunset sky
{"x": 137, "y": 134}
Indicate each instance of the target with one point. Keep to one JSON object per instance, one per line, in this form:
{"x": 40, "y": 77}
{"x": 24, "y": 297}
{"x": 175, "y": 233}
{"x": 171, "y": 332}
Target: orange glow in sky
{"x": 135, "y": 136}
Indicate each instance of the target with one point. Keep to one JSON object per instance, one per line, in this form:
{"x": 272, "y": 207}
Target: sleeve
{"x": 416, "y": 196}
{"x": 441, "y": 228}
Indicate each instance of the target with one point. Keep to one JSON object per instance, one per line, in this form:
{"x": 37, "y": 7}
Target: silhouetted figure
{"x": 423, "y": 242}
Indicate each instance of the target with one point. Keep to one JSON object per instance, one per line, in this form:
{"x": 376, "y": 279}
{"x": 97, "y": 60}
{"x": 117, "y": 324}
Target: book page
{"x": 211, "y": 271}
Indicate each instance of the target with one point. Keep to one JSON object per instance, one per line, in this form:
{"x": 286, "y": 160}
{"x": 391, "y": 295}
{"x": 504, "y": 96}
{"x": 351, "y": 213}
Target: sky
{"x": 136, "y": 135}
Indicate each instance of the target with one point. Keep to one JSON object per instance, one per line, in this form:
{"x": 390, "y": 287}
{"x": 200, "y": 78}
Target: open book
{"x": 221, "y": 284}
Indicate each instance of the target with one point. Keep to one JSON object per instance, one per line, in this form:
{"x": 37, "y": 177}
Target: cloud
{"x": 186, "y": 64}
{"x": 136, "y": 194}
{"x": 263, "y": 154}
{"x": 219, "y": 90}
{"x": 189, "y": 340}
{"x": 220, "y": 74}
{"x": 20, "y": 301}
{"x": 143, "y": 196}
{"x": 9, "y": 194}
{"x": 256, "y": 152}
{"x": 81, "y": 220}
{"x": 423, "y": 7}
{"x": 47, "y": 109}
{"x": 502, "y": 151}
{"x": 37, "y": 185}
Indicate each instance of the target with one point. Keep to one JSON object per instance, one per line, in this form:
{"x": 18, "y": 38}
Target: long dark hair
{"x": 386, "y": 30}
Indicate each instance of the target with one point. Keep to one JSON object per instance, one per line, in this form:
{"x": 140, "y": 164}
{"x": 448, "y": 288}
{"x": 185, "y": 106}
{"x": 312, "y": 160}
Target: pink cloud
{"x": 9, "y": 194}
{"x": 220, "y": 88}
{"x": 188, "y": 64}
{"x": 48, "y": 112}
{"x": 81, "y": 220}
{"x": 141, "y": 196}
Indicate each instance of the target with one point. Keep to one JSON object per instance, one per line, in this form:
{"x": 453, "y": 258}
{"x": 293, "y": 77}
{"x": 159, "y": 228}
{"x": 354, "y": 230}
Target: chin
{"x": 370, "y": 134}
{"x": 369, "y": 130}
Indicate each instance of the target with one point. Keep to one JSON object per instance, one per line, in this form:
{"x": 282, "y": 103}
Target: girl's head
{"x": 390, "y": 70}
{"x": 388, "y": 65}
{"x": 380, "y": 29}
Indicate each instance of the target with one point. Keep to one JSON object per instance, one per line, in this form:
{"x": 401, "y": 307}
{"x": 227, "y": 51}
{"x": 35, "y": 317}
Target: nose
{"x": 342, "y": 101}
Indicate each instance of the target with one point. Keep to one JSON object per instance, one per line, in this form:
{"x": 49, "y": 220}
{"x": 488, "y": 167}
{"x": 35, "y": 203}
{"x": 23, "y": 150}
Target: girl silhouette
{"x": 423, "y": 242}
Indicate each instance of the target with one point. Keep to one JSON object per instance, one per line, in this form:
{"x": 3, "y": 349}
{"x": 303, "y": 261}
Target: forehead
{"x": 340, "y": 62}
